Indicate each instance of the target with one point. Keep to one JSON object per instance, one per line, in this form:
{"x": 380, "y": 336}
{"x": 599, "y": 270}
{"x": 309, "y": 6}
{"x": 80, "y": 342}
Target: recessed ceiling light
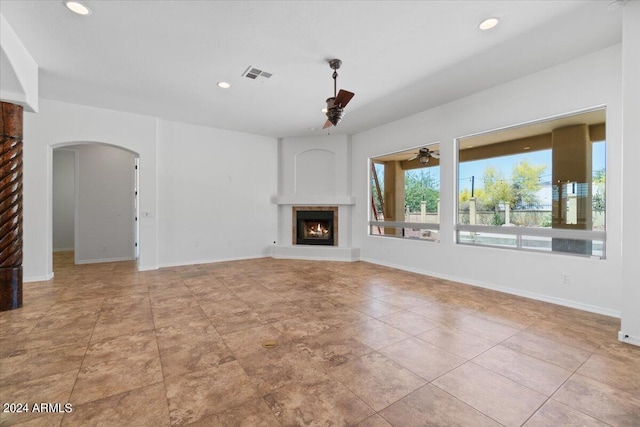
{"x": 488, "y": 24}
{"x": 77, "y": 7}
{"x": 224, "y": 85}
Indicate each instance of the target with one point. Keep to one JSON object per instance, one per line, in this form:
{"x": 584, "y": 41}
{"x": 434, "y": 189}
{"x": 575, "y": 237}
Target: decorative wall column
{"x": 10, "y": 206}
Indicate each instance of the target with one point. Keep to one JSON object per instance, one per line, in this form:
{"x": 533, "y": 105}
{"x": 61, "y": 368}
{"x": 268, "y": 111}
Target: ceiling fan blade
{"x": 412, "y": 158}
{"x": 327, "y": 124}
{"x": 343, "y": 98}
{"x": 434, "y": 154}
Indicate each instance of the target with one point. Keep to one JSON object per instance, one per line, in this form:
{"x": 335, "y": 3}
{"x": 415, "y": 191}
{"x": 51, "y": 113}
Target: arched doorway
{"x": 94, "y": 202}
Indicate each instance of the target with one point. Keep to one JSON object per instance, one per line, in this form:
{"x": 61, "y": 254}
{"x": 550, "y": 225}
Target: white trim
{"x": 532, "y": 295}
{"x": 206, "y": 261}
{"x": 622, "y": 337}
{"x": 404, "y": 224}
{"x": 63, "y": 249}
{"x": 44, "y": 278}
{"x": 534, "y": 232}
{"x": 101, "y": 260}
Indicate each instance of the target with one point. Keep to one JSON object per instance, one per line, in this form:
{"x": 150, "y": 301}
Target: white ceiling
{"x": 164, "y": 58}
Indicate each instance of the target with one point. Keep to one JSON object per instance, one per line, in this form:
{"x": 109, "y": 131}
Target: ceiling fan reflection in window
{"x": 424, "y": 154}
{"x": 336, "y": 104}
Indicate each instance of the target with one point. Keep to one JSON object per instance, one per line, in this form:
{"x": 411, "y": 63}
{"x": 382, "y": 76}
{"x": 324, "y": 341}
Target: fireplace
{"x": 315, "y": 226}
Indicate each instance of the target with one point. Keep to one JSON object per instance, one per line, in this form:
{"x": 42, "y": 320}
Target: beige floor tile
{"x": 27, "y": 365}
{"x": 422, "y": 358}
{"x": 501, "y": 399}
{"x": 301, "y": 327}
{"x": 375, "y": 334}
{"x": 115, "y": 376}
{"x": 601, "y": 401}
{"x": 244, "y": 343}
{"x": 194, "y": 356}
{"x": 431, "y": 406}
{"x": 622, "y": 373}
{"x": 548, "y": 349}
{"x": 486, "y": 329}
{"x": 324, "y": 403}
{"x": 404, "y": 300}
{"x": 377, "y": 380}
{"x": 374, "y": 307}
{"x": 122, "y": 347}
{"x": 168, "y": 315}
{"x": 443, "y": 313}
{"x": 78, "y": 335}
{"x": 554, "y": 413}
{"x": 274, "y": 368}
{"x": 565, "y": 334}
{"x": 145, "y": 406}
{"x": 186, "y": 332}
{"x": 121, "y": 324}
{"x": 457, "y": 342}
{"x": 51, "y": 389}
{"x": 374, "y": 421}
{"x": 332, "y": 349}
{"x": 408, "y": 322}
{"x": 208, "y": 392}
{"x": 183, "y": 344}
{"x": 534, "y": 373}
{"x": 254, "y": 413}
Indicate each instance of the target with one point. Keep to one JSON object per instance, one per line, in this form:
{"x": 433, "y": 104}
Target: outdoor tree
{"x": 421, "y": 186}
{"x": 599, "y": 181}
{"x": 465, "y": 196}
{"x": 496, "y": 189}
{"x": 525, "y": 184}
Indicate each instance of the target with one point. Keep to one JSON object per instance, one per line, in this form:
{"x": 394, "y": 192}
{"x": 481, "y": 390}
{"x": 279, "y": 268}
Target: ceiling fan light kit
{"x": 336, "y": 104}
{"x": 424, "y": 154}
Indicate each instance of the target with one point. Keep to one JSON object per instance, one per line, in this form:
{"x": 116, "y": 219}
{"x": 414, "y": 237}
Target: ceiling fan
{"x": 336, "y": 103}
{"x": 424, "y": 154}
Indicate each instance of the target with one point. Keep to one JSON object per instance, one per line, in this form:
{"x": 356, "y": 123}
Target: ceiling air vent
{"x": 255, "y": 73}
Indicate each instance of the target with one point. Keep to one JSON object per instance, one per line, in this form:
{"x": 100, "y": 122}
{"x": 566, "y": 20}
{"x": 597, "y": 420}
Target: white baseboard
{"x": 71, "y": 249}
{"x": 101, "y": 260}
{"x": 43, "y": 278}
{"x": 539, "y": 297}
{"x": 208, "y": 261}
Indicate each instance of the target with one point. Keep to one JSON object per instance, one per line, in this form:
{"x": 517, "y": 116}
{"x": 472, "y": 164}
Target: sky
{"x": 505, "y": 164}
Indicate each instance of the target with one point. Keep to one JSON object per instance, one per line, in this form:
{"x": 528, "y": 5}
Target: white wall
{"x": 59, "y": 124}
{"x": 630, "y": 329}
{"x": 63, "y": 204}
{"x": 215, "y": 190}
{"x": 583, "y": 83}
{"x": 215, "y": 186}
{"x": 105, "y": 204}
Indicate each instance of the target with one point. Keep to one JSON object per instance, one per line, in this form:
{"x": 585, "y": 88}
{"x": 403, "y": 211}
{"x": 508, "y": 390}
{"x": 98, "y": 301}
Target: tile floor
{"x": 359, "y": 344}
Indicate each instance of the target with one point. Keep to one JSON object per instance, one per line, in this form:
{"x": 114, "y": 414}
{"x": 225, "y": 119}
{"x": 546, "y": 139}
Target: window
{"x": 405, "y": 194}
{"x": 536, "y": 187}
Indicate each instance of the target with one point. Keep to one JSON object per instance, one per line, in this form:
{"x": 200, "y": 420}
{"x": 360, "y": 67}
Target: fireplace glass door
{"x": 314, "y": 228}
